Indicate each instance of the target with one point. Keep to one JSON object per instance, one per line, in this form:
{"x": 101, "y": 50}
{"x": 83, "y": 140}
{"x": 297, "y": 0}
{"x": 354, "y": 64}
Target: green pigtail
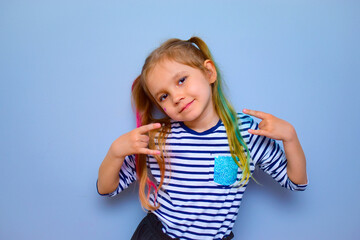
{"x": 228, "y": 116}
{"x": 237, "y": 144}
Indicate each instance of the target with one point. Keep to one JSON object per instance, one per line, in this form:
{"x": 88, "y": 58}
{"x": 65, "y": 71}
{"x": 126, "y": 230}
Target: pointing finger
{"x": 149, "y": 127}
{"x": 254, "y": 113}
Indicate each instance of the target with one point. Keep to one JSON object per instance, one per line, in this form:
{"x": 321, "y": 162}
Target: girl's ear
{"x": 211, "y": 70}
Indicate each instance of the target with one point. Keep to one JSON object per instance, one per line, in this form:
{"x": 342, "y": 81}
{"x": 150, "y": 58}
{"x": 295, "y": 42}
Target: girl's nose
{"x": 178, "y": 98}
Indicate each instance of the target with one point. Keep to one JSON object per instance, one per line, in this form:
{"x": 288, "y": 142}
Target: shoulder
{"x": 245, "y": 121}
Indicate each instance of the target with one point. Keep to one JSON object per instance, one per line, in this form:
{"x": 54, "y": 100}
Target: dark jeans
{"x": 150, "y": 228}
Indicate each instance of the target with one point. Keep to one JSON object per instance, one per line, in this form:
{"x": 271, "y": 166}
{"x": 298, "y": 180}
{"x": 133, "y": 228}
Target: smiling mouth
{"x": 187, "y": 105}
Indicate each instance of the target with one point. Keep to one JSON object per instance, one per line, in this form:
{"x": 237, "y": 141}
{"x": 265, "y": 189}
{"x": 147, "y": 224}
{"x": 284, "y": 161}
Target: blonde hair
{"x": 192, "y": 52}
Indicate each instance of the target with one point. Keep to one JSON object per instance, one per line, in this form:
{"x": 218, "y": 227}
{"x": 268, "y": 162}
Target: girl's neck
{"x": 205, "y": 122}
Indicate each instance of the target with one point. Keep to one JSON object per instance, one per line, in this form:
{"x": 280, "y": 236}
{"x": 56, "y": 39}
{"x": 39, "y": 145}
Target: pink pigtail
{"x": 150, "y": 184}
{"x": 138, "y": 119}
{"x": 138, "y": 123}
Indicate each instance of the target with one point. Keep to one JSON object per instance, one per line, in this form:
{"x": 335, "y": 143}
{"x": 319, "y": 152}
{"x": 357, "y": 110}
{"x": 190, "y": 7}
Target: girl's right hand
{"x": 134, "y": 142}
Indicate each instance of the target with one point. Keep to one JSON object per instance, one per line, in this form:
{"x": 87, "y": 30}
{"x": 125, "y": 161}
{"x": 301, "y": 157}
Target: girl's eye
{"x": 182, "y": 80}
{"x": 162, "y": 97}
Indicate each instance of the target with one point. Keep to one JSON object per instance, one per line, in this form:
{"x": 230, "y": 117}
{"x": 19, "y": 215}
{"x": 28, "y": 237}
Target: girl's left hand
{"x": 272, "y": 127}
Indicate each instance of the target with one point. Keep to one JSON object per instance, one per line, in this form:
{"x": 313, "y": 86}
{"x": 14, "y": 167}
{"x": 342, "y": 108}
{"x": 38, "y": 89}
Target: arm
{"x": 108, "y": 178}
{"x": 118, "y": 160}
{"x": 296, "y": 167}
{"x": 278, "y": 129}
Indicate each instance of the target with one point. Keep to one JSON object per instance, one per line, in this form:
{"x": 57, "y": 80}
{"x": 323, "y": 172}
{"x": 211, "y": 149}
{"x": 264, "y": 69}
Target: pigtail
{"x": 140, "y": 159}
{"x": 228, "y": 116}
{"x": 201, "y": 45}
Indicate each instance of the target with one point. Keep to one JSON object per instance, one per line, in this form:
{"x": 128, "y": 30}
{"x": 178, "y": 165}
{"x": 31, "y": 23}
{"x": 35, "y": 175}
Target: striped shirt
{"x": 201, "y": 195}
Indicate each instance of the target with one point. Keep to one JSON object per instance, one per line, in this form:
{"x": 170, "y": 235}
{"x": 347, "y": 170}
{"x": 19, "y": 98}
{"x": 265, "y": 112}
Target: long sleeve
{"x": 270, "y": 157}
{"x": 127, "y": 175}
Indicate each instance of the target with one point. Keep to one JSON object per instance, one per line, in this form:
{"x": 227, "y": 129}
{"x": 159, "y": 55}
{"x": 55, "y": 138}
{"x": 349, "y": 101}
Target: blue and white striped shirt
{"x": 199, "y": 198}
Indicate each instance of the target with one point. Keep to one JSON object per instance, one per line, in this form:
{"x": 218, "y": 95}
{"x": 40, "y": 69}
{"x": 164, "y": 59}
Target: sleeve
{"x": 268, "y": 155}
{"x": 127, "y": 175}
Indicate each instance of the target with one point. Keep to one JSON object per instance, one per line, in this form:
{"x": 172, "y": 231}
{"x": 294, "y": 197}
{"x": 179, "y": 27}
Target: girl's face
{"x": 184, "y": 93}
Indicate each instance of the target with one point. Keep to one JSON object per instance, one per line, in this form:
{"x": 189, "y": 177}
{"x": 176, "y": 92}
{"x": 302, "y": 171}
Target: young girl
{"x": 194, "y": 162}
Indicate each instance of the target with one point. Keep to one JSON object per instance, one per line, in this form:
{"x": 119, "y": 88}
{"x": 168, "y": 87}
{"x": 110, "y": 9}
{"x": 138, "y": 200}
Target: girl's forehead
{"x": 166, "y": 70}
{"x": 165, "y": 66}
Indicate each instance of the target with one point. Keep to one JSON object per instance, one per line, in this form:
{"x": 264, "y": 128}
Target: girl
{"x": 199, "y": 155}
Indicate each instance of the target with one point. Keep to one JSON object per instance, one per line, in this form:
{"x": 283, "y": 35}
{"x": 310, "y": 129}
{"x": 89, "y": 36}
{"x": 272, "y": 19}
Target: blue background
{"x": 66, "y": 69}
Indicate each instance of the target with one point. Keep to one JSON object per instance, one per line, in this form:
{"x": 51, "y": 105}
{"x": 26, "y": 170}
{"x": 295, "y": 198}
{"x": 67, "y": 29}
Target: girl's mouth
{"x": 187, "y": 105}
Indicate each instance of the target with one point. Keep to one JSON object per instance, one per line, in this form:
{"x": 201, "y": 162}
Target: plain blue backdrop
{"x": 66, "y": 69}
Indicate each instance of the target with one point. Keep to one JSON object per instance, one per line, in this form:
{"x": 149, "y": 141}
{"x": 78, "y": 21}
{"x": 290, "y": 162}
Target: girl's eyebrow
{"x": 177, "y": 75}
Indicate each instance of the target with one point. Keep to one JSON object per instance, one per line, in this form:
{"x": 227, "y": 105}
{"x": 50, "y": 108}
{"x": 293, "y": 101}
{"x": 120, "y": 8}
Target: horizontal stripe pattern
{"x": 193, "y": 204}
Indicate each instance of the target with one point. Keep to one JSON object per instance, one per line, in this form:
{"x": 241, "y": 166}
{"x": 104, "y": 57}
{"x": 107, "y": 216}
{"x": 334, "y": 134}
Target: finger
{"x": 141, "y": 145}
{"x": 148, "y": 151}
{"x": 262, "y": 124}
{"x": 258, "y": 132}
{"x": 254, "y": 113}
{"x": 144, "y": 138}
{"x": 149, "y": 127}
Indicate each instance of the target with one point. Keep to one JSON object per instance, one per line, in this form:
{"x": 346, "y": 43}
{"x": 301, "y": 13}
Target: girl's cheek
{"x": 164, "y": 109}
